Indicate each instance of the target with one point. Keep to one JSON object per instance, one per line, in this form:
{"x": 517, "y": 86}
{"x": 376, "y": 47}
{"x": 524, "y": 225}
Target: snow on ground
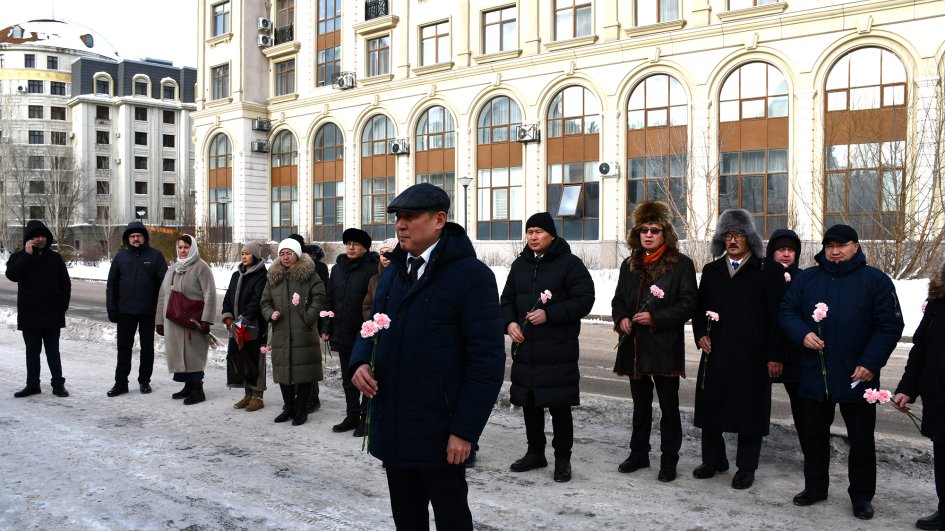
{"x": 148, "y": 462}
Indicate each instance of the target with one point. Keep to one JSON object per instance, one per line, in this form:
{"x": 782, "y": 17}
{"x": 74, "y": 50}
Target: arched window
{"x": 436, "y": 157}
{"x": 377, "y": 178}
{"x": 103, "y": 84}
{"x": 328, "y": 184}
{"x": 657, "y": 146}
{"x": 220, "y": 184}
{"x": 753, "y": 145}
{"x": 499, "y": 175}
{"x": 573, "y": 153}
{"x": 864, "y": 142}
{"x": 169, "y": 90}
{"x": 285, "y": 189}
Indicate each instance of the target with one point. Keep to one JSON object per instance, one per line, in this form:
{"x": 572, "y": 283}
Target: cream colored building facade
{"x": 805, "y": 112}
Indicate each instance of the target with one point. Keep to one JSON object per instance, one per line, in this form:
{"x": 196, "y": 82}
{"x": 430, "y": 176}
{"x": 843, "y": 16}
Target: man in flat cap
{"x": 346, "y": 289}
{"x": 849, "y": 345}
{"x": 437, "y": 370}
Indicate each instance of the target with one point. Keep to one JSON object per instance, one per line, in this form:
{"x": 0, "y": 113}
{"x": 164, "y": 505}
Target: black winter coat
{"x": 43, "y": 285}
{"x": 439, "y": 366}
{"x": 346, "y": 290}
{"x": 925, "y": 370}
{"x": 658, "y": 349}
{"x": 545, "y": 367}
{"x": 134, "y": 278}
{"x": 862, "y": 327}
{"x": 784, "y": 351}
{"x": 247, "y": 305}
{"x": 733, "y": 393}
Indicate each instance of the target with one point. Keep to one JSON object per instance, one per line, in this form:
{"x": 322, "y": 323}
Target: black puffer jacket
{"x": 246, "y": 303}
{"x": 783, "y": 350}
{"x": 135, "y": 277}
{"x": 546, "y": 364}
{"x": 346, "y": 289}
{"x": 43, "y": 285}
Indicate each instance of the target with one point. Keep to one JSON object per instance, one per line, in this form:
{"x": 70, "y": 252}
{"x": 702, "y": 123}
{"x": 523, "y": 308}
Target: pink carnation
{"x": 368, "y": 329}
{"x": 820, "y": 312}
{"x": 821, "y": 306}
{"x": 883, "y": 396}
{"x": 262, "y": 350}
{"x": 657, "y": 292}
{"x": 712, "y": 315}
{"x": 382, "y": 320}
{"x": 295, "y": 299}
{"x": 787, "y": 277}
{"x": 326, "y": 313}
{"x": 545, "y": 296}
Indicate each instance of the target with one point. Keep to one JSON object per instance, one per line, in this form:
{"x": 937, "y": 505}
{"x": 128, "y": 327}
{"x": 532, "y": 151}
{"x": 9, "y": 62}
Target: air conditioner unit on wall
{"x": 262, "y": 124}
{"x": 399, "y": 147}
{"x": 608, "y": 169}
{"x": 259, "y": 146}
{"x": 263, "y": 24}
{"x": 263, "y": 41}
{"x": 528, "y": 133}
{"x": 345, "y": 81}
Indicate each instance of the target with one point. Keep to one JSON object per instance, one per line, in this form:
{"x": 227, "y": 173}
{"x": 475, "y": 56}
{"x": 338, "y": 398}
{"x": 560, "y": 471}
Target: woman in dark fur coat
{"x": 652, "y": 343}
{"x": 924, "y": 374}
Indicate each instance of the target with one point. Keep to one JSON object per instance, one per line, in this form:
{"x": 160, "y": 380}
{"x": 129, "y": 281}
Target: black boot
{"x": 183, "y": 393}
{"x": 27, "y": 391}
{"x": 288, "y": 398}
{"x": 359, "y": 431}
{"x": 196, "y": 394}
{"x": 301, "y": 401}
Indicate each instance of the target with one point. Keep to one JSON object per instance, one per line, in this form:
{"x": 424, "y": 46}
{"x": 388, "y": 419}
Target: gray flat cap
{"x": 423, "y": 197}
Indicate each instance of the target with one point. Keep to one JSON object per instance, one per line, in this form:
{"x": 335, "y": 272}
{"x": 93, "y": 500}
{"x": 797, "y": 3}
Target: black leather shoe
{"x": 529, "y": 462}
{"x": 743, "y": 479}
{"x": 145, "y": 388}
{"x": 284, "y": 416}
{"x": 117, "y": 390}
{"x": 27, "y": 391}
{"x": 562, "y": 470}
{"x": 862, "y": 509}
{"x": 359, "y": 431}
{"x": 300, "y": 418}
{"x": 806, "y": 497}
{"x": 666, "y": 474}
{"x": 348, "y": 424}
{"x": 60, "y": 391}
{"x": 706, "y": 471}
{"x": 932, "y": 521}
{"x": 634, "y": 463}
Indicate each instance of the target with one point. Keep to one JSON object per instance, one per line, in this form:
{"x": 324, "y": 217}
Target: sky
{"x": 136, "y": 28}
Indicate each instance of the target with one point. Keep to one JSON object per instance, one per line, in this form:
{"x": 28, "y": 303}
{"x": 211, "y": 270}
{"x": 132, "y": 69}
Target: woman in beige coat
{"x": 186, "y": 347}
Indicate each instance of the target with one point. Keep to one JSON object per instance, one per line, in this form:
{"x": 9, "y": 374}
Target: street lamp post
{"x": 466, "y": 181}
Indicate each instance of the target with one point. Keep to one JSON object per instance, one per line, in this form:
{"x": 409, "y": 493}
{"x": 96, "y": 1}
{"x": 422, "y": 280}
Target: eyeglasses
{"x": 652, "y": 230}
{"x": 286, "y": 253}
{"x": 734, "y": 236}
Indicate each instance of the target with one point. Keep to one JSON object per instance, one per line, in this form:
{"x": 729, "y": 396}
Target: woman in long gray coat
{"x": 186, "y": 346}
{"x": 293, "y": 297}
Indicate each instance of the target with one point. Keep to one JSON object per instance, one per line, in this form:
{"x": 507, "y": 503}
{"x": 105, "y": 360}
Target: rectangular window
{"x": 141, "y": 188}
{"x": 102, "y": 112}
{"x": 141, "y": 88}
{"x": 102, "y": 187}
{"x": 141, "y": 114}
{"x": 221, "y": 82}
{"x": 221, "y": 18}
{"x": 57, "y": 88}
{"x": 29, "y": 60}
{"x": 169, "y": 189}
{"x": 37, "y": 187}
{"x": 52, "y": 63}
{"x": 572, "y": 19}
{"x": 328, "y": 207}
{"x": 329, "y": 16}
{"x": 103, "y": 87}
{"x": 378, "y": 56}
{"x": 141, "y": 138}
{"x": 498, "y": 30}
{"x": 101, "y": 162}
{"x": 285, "y": 77}
{"x": 141, "y": 163}
{"x": 37, "y": 162}
{"x": 36, "y": 137}
{"x": 169, "y": 213}
{"x": 656, "y": 11}
{"x": 35, "y": 111}
{"x": 57, "y": 113}
{"x": 329, "y": 65}
{"x": 102, "y": 137}
{"x": 101, "y": 213}
{"x": 34, "y": 86}
{"x": 170, "y": 117}
{"x": 169, "y": 92}
{"x": 57, "y": 138}
{"x": 168, "y": 165}
{"x": 168, "y": 141}
{"x": 435, "y": 43}
{"x": 37, "y": 212}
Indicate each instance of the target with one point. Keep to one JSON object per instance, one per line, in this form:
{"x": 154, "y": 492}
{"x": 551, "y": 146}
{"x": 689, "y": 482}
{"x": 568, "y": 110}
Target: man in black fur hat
{"x": 733, "y": 393}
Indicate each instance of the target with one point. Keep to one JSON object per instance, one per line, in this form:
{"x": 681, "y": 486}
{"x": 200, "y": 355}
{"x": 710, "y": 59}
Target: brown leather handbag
{"x": 182, "y": 310}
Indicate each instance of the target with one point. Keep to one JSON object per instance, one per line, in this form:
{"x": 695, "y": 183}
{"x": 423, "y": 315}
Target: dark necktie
{"x": 734, "y": 265}
{"x": 413, "y": 266}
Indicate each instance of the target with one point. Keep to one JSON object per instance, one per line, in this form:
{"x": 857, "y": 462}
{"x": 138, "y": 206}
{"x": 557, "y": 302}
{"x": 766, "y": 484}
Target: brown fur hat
{"x": 937, "y": 285}
{"x": 653, "y": 212}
